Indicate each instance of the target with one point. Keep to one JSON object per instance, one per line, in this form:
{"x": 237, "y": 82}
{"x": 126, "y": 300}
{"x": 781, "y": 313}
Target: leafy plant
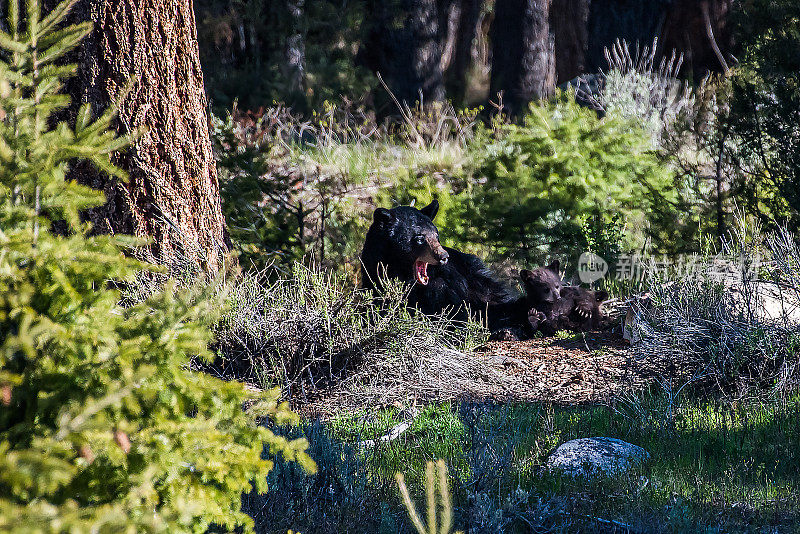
{"x": 766, "y": 108}
{"x": 542, "y": 178}
{"x": 103, "y": 426}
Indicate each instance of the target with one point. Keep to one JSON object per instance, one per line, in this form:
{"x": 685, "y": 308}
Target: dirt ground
{"x": 583, "y": 368}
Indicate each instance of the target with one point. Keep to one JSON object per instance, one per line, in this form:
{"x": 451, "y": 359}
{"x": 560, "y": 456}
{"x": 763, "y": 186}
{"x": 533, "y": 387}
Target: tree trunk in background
{"x": 697, "y": 29}
{"x": 523, "y": 53}
{"x": 295, "y": 65}
{"x": 457, "y": 75}
{"x": 172, "y": 196}
{"x": 631, "y": 21}
{"x": 569, "y": 20}
{"x": 403, "y": 46}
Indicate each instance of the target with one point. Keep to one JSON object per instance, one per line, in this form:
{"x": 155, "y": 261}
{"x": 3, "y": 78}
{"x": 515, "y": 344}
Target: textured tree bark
{"x": 457, "y": 75}
{"x": 403, "y": 45}
{"x": 523, "y": 53}
{"x": 569, "y": 20}
{"x": 172, "y": 196}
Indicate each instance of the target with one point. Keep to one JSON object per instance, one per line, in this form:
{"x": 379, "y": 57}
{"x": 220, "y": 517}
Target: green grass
{"x": 715, "y": 466}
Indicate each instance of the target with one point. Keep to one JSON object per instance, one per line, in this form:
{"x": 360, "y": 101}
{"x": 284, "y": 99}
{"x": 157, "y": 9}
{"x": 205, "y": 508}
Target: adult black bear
{"x": 559, "y": 307}
{"x": 403, "y": 243}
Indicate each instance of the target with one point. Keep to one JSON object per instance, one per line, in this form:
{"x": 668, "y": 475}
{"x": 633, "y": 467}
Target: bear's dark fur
{"x": 403, "y": 243}
{"x": 578, "y": 309}
{"x": 554, "y": 306}
{"x": 542, "y": 287}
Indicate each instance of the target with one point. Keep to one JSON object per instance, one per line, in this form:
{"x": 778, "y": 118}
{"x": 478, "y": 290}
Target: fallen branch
{"x": 395, "y": 432}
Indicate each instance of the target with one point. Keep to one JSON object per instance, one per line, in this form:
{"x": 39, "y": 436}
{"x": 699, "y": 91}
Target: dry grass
{"x": 324, "y": 342}
{"x": 734, "y": 324}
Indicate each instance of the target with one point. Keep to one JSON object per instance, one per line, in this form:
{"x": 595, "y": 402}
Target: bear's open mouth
{"x": 421, "y": 272}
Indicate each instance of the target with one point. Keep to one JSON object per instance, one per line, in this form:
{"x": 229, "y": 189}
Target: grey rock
{"x": 596, "y": 457}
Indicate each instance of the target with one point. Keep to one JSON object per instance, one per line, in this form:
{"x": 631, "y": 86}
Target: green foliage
{"x": 604, "y": 235}
{"x": 293, "y": 188}
{"x": 280, "y": 200}
{"x": 538, "y": 181}
{"x": 261, "y": 208}
{"x": 103, "y": 426}
{"x": 766, "y": 108}
{"x": 710, "y": 458}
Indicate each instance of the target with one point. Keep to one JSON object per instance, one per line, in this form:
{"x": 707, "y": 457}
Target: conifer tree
{"x": 564, "y": 167}
{"x": 103, "y": 426}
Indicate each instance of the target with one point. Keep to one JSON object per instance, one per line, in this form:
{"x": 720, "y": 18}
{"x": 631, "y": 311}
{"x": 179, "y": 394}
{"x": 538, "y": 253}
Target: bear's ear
{"x": 601, "y": 295}
{"x": 554, "y": 267}
{"x": 382, "y": 215}
{"x": 431, "y": 209}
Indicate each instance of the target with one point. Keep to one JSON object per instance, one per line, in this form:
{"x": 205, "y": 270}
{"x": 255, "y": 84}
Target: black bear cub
{"x": 554, "y": 306}
{"x": 403, "y": 243}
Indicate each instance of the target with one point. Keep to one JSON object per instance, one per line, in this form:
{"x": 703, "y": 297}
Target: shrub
{"x": 103, "y": 426}
{"x": 538, "y": 181}
{"x": 344, "y": 496}
{"x": 766, "y": 107}
{"x": 293, "y": 188}
{"x": 641, "y": 92}
{"x": 312, "y": 331}
{"x": 733, "y": 324}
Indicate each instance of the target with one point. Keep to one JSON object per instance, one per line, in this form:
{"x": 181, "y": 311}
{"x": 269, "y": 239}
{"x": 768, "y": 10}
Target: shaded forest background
{"x": 326, "y": 109}
{"x": 305, "y": 52}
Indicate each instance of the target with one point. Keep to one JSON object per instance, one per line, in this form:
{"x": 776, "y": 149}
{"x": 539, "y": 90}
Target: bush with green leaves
{"x": 765, "y": 108}
{"x": 540, "y": 182}
{"x": 263, "y": 212}
{"x": 103, "y": 426}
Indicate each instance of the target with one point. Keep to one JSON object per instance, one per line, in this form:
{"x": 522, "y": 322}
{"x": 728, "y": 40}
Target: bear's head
{"x": 410, "y": 240}
{"x": 583, "y": 304}
{"x": 542, "y": 285}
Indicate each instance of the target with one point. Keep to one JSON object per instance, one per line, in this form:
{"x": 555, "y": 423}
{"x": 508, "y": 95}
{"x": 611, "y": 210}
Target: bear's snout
{"x": 442, "y": 256}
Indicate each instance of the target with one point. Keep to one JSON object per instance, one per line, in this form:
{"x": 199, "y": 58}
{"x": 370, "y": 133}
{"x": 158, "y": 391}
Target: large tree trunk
{"x": 465, "y": 33}
{"x": 172, "y": 196}
{"x": 403, "y": 46}
{"x": 523, "y": 52}
{"x": 569, "y": 20}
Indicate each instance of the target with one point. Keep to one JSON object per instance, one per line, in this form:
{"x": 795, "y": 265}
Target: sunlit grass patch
{"x": 714, "y": 465}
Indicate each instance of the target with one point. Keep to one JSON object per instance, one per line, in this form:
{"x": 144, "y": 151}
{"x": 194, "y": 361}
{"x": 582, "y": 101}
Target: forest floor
{"x": 717, "y": 466}
{"x": 580, "y": 368}
{"x": 568, "y": 369}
